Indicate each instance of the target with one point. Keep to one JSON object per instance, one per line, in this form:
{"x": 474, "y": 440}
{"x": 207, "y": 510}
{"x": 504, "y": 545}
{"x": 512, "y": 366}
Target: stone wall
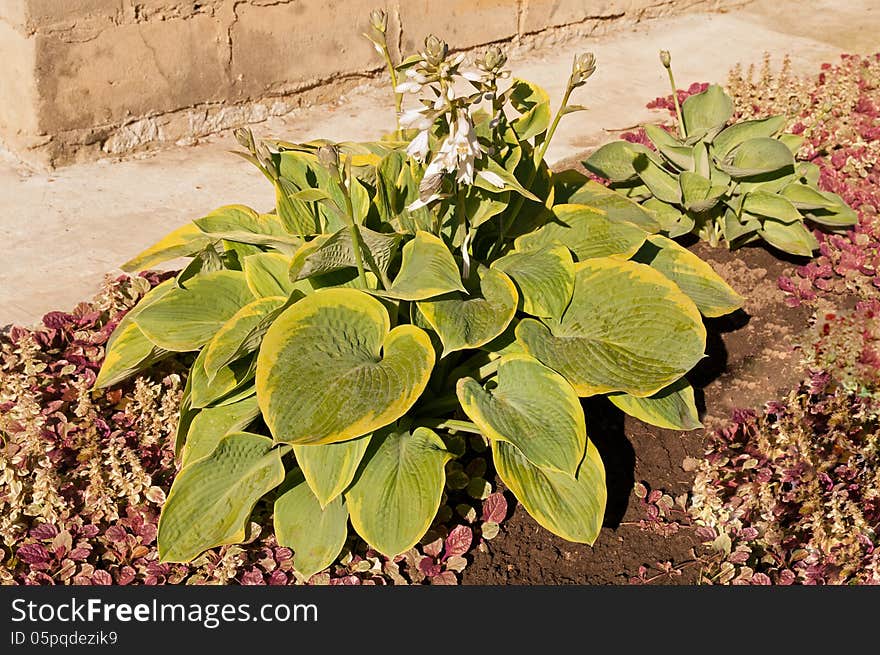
{"x": 85, "y": 78}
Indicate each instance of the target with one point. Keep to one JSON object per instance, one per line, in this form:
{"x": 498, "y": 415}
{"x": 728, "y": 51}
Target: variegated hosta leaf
{"x": 227, "y": 385}
{"x": 186, "y": 319}
{"x": 673, "y": 407}
{"x": 469, "y": 321}
{"x": 335, "y": 251}
{"x": 628, "y": 328}
{"x": 533, "y": 104}
{"x": 330, "y": 370}
{"x": 570, "y": 506}
{"x": 427, "y": 270}
{"x": 615, "y": 205}
{"x": 268, "y": 274}
{"x": 129, "y": 350}
{"x": 586, "y": 232}
{"x": 211, "y": 424}
{"x": 182, "y": 242}
{"x": 397, "y": 492}
{"x": 544, "y": 277}
{"x": 316, "y": 533}
{"x": 244, "y": 225}
{"x": 330, "y": 468}
{"x": 532, "y": 407}
{"x": 211, "y": 500}
{"x": 241, "y": 334}
{"x": 712, "y": 295}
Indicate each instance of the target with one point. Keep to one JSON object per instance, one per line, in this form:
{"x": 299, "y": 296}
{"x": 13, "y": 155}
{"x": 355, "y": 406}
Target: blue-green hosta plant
{"x": 439, "y": 282}
{"x": 735, "y": 182}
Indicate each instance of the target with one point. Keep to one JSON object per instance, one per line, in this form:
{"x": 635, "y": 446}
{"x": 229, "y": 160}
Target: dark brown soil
{"x": 751, "y": 360}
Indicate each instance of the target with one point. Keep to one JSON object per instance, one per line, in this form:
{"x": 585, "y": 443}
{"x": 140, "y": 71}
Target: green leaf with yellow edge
{"x": 296, "y": 215}
{"x": 186, "y": 319}
{"x": 243, "y": 225}
{"x": 544, "y": 278}
{"x": 428, "y": 269}
{"x": 471, "y": 320}
{"x": 211, "y": 500}
{"x": 316, "y": 533}
{"x": 672, "y": 408}
{"x": 793, "y": 238}
{"x": 267, "y": 274}
{"x": 330, "y": 468}
{"x": 615, "y": 205}
{"x": 628, "y": 328}
{"x": 532, "y": 407}
{"x": 397, "y": 491}
{"x": 712, "y": 295}
{"x": 211, "y": 424}
{"x": 330, "y": 370}
{"x": 226, "y": 383}
{"x": 183, "y": 242}
{"x": 335, "y": 251}
{"x": 533, "y": 104}
{"x": 570, "y": 506}
{"x": 129, "y": 350}
{"x": 241, "y": 334}
{"x": 587, "y": 232}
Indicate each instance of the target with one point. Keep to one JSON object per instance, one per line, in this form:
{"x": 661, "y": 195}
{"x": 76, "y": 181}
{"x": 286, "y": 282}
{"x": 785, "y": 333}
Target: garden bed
{"x": 86, "y": 472}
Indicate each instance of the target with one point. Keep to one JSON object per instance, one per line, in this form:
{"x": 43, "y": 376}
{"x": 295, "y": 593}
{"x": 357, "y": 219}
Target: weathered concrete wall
{"x": 81, "y": 78}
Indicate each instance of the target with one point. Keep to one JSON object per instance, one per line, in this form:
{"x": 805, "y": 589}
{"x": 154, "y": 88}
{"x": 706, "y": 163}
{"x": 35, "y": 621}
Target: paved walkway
{"x": 64, "y": 230}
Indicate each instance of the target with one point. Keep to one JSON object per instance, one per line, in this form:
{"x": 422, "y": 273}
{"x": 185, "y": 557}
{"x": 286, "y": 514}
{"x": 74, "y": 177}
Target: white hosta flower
{"x": 413, "y": 84}
{"x": 419, "y": 147}
{"x": 458, "y": 152}
{"x": 415, "y": 119}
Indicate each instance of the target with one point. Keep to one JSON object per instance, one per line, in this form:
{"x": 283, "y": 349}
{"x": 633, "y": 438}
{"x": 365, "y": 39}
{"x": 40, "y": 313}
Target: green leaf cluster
{"x": 735, "y": 182}
{"x": 339, "y": 340}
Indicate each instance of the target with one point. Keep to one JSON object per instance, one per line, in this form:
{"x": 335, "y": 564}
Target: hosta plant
{"x": 442, "y": 281}
{"x": 734, "y": 182}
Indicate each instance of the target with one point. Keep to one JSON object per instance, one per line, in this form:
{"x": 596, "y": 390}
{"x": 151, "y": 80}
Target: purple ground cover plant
{"x": 83, "y": 474}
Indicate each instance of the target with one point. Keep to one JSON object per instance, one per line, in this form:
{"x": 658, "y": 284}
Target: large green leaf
{"x": 662, "y": 184}
{"x": 698, "y": 192}
{"x": 712, "y": 295}
{"x": 572, "y": 507}
{"x": 731, "y": 137}
{"x": 757, "y": 157}
{"x": 229, "y": 383}
{"x": 187, "y": 318}
{"x": 183, "y": 242}
{"x": 428, "y": 269}
{"x": 615, "y": 161}
{"x": 628, "y": 328}
{"x": 316, "y": 533}
{"x": 803, "y": 196}
{"x": 706, "y": 111}
{"x": 532, "y": 407}
{"x": 268, "y": 274}
{"x": 211, "y": 424}
{"x": 129, "y": 350}
{"x": 330, "y": 370}
{"x": 244, "y": 225}
{"x": 615, "y": 205}
{"x": 330, "y": 468}
{"x": 211, "y": 500}
{"x": 336, "y": 251}
{"x": 793, "y": 238}
{"x": 241, "y": 334}
{"x": 397, "y": 491}
{"x": 533, "y": 104}
{"x": 837, "y": 215}
{"x": 544, "y": 277}
{"x": 469, "y": 321}
{"x": 771, "y": 205}
{"x": 673, "y": 408}
{"x": 586, "y": 232}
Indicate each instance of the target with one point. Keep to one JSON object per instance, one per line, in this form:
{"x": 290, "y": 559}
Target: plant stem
{"x": 352, "y": 225}
{"x": 514, "y": 208}
{"x": 681, "y": 129}
{"x": 489, "y": 369}
{"x": 398, "y": 97}
{"x": 448, "y": 424}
